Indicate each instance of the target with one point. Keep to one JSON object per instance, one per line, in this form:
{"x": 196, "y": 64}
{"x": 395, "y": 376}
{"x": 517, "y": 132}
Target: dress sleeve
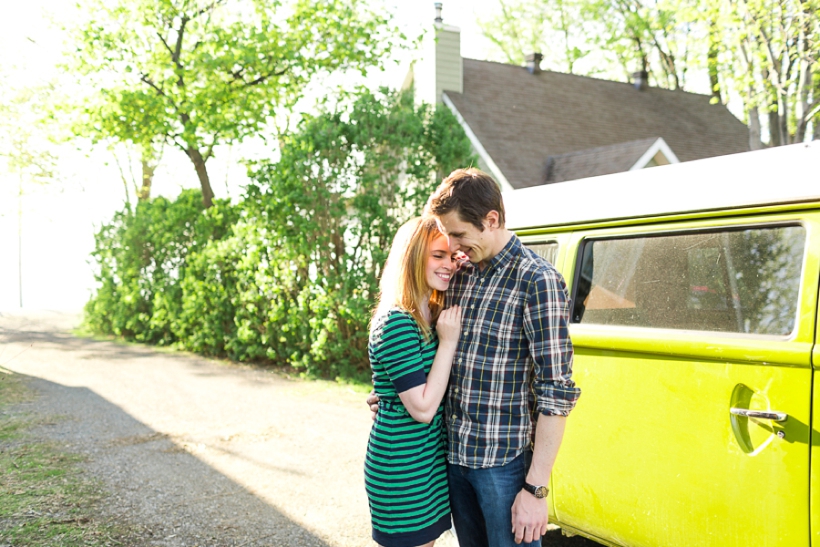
{"x": 398, "y": 350}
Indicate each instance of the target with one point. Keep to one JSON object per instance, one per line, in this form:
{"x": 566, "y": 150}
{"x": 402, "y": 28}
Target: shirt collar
{"x": 510, "y": 250}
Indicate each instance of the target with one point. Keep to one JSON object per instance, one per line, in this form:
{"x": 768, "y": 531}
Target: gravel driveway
{"x": 195, "y": 451}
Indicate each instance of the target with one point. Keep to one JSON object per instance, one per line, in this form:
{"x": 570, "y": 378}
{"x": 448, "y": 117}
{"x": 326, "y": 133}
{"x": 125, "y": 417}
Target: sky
{"x": 55, "y": 223}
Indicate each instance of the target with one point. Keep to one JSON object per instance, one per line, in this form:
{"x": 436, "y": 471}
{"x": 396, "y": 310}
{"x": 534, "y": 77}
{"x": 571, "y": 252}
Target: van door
{"x": 693, "y": 352}
{"x": 814, "y": 487}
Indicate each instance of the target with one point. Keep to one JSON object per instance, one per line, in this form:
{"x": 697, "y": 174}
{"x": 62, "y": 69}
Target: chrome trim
{"x": 773, "y": 415}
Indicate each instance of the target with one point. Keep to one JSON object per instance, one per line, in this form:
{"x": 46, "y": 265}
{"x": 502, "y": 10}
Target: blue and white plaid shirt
{"x": 514, "y": 358}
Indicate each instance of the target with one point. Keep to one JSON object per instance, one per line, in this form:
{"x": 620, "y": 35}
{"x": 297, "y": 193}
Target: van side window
{"x": 742, "y": 280}
{"x": 547, "y": 251}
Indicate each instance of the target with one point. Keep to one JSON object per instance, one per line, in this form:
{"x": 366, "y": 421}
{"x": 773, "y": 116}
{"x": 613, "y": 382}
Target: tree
{"x": 770, "y": 56}
{"x": 763, "y": 53}
{"x": 654, "y": 36}
{"x": 25, "y": 147}
{"x": 199, "y": 73}
{"x": 525, "y": 26}
{"x": 345, "y": 182}
{"x": 631, "y": 34}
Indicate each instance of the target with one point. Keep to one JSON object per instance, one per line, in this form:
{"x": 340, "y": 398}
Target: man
{"x": 510, "y": 387}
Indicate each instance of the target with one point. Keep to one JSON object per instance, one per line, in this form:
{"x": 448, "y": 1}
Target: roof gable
{"x": 605, "y": 160}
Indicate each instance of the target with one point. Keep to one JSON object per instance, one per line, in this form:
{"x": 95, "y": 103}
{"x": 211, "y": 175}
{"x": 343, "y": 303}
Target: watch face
{"x": 537, "y": 491}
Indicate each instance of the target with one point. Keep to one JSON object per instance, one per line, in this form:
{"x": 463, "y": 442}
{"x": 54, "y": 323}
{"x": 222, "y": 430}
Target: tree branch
{"x": 164, "y": 43}
{"x": 210, "y": 151}
{"x": 813, "y": 109}
{"x": 207, "y": 9}
{"x": 178, "y": 46}
{"x": 145, "y": 79}
{"x": 264, "y": 77}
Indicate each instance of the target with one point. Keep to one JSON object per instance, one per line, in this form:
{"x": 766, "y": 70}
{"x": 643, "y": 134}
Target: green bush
{"x": 141, "y": 256}
{"x": 290, "y": 275}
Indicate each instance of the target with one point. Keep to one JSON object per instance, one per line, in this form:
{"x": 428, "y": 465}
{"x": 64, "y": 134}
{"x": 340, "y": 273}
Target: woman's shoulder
{"x": 393, "y": 321}
{"x": 394, "y": 316}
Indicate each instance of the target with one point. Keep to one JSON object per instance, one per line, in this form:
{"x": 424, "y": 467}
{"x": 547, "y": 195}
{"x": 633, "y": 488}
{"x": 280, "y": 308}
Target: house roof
{"x": 521, "y": 119}
{"x": 592, "y": 162}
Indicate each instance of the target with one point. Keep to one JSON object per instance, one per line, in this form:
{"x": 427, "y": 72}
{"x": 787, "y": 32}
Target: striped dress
{"x": 405, "y": 468}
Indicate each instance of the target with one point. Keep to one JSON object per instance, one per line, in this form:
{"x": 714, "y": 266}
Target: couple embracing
{"x": 472, "y": 367}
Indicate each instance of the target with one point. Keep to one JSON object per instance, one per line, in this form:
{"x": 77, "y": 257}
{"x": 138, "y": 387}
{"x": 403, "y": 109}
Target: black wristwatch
{"x": 539, "y": 492}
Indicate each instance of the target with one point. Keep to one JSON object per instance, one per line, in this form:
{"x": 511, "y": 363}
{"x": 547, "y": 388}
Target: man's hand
{"x": 373, "y": 403}
{"x": 529, "y": 517}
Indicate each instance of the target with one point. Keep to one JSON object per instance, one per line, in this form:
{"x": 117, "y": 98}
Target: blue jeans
{"x": 481, "y": 502}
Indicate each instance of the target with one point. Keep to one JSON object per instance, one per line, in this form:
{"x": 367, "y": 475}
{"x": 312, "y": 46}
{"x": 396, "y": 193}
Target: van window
{"x": 744, "y": 281}
{"x": 547, "y": 251}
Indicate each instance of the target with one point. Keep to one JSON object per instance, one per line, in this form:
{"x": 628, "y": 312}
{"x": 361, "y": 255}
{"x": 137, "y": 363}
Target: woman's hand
{"x": 448, "y": 325}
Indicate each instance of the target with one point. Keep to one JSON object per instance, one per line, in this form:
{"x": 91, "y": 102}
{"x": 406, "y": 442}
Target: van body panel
{"x": 814, "y": 500}
{"x": 696, "y": 344}
{"x": 814, "y": 482}
{"x": 662, "y": 219}
{"x": 652, "y": 455}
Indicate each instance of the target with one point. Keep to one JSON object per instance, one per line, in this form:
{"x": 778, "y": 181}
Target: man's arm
{"x": 546, "y": 326}
{"x": 529, "y": 514}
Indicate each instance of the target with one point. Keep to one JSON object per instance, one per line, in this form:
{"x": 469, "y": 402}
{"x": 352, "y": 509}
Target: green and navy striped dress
{"x": 405, "y": 468}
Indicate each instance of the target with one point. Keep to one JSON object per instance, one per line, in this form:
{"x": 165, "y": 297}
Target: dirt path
{"x": 196, "y": 452}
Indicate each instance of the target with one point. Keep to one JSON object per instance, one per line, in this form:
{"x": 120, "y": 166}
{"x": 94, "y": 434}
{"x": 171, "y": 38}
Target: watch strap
{"x": 539, "y": 492}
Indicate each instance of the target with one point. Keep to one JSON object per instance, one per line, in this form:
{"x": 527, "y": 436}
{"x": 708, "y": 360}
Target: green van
{"x": 694, "y": 294}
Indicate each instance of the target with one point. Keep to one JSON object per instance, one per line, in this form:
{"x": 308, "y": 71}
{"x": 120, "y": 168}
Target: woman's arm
{"x": 423, "y": 401}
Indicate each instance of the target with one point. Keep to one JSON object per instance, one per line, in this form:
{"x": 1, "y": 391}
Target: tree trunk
{"x": 802, "y": 107}
{"x": 783, "y": 118}
{"x": 712, "y": 62}
{"x": 148, "y": 168}
{"x": 775, "y": 138}
{"x": 202, "y": 173}
{"x": 754, "y": 129}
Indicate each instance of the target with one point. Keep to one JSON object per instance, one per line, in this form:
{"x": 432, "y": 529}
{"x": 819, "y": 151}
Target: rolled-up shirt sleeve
{"x": 546, "y": 326}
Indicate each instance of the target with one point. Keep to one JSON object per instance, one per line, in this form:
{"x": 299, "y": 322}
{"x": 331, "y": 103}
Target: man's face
{"x": 466, "y": 238}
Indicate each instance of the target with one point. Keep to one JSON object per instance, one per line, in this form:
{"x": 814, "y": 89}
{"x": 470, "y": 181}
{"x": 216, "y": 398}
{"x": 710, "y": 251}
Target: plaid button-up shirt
{"x": 514, "y": 358}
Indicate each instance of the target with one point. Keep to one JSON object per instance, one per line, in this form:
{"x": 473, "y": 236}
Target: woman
{"x": 405, "y": 467}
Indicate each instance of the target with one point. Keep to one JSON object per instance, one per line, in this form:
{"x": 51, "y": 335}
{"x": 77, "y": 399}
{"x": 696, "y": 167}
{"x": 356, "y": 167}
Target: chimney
{"x": 640, "y": 80}
{"x": 440, "y": 68}
{"x": 534, "y": 62}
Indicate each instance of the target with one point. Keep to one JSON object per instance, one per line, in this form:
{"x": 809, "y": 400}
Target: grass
{"x": 45, "y": 500}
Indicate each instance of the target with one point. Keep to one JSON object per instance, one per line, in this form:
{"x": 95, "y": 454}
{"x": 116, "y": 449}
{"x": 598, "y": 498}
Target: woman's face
{"x": 440, "y": 264}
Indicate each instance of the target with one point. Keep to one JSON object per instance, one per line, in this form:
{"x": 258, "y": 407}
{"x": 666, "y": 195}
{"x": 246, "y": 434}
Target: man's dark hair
{"x": 472, "y": 193}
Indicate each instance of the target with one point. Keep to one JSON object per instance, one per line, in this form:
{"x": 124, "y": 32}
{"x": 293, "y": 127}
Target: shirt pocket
{"x": 501, "y": 325}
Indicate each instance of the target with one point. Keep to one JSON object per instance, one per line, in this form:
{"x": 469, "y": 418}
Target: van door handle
{"x": 772, "y": 415}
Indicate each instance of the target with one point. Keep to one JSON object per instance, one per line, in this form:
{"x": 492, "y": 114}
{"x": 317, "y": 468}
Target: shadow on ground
{"x": 167, "y": 494}
{"x": 555, "y": 538}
